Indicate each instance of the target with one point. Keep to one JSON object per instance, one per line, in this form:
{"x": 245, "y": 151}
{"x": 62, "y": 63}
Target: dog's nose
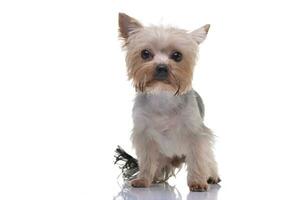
{"x": 161, "y": 71}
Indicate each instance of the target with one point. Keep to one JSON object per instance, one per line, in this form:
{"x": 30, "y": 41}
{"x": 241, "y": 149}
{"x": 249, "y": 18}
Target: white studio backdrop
{"x": 65, "y": 102}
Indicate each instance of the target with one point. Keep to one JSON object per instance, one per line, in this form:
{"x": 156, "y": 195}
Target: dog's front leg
{"x": 198, "y": 162}
{"x": 147, "y": 155}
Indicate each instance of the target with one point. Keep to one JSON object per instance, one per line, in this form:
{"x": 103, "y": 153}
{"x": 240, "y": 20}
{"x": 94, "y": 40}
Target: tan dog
{"x": 168, "y": 113}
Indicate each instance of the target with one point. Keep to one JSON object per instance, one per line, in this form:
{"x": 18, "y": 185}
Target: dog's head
{"x": 160, "y": 58}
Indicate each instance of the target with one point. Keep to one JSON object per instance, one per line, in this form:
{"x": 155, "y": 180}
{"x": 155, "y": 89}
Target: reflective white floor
{"x": 164, "y": 192}
{"x": 263, "y": 182}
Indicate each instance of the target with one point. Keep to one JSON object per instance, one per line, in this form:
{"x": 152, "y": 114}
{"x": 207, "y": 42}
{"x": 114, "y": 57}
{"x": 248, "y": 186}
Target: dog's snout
{"x": 161, "y": 71}
{"x": 162, "y": 68}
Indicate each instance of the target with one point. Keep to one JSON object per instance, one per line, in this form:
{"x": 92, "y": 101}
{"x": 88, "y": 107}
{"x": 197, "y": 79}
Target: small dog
{"x": 168, "y": 114}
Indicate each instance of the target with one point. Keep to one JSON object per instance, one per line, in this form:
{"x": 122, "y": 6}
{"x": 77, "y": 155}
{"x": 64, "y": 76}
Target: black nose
{"x": 161, "y": 71}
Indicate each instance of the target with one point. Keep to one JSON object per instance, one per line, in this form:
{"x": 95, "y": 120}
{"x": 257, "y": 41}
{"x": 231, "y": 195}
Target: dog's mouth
{"x": 158, "y": 81}
{"x": 161, "y": 77}
{"x": 161, "y": 80}
{"x": 166, "y": 84}
{"x": 154, "y": 82}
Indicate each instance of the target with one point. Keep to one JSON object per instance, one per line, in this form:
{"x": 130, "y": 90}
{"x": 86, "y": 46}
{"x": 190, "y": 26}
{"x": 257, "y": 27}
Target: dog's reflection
{"x": 163, "y": 192}
{"x": 158, "y": 191}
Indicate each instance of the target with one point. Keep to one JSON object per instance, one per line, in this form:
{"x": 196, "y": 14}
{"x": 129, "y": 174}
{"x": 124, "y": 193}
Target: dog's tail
{"x": 127, "y": 163}
{"x": 130, "y": 168}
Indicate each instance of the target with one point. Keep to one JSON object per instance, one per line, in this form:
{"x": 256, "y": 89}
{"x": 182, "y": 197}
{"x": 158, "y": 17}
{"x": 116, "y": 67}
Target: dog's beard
{"x": 148, "y": 83}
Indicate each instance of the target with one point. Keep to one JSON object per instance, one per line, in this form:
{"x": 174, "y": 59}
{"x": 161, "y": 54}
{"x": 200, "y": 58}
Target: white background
{"x": 65, "y": 102}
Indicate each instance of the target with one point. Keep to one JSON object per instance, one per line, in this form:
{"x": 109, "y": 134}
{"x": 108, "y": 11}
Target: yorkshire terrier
{"x": 167, "y": 114}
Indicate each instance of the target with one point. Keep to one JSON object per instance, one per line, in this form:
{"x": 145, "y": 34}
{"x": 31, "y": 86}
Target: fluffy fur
{"x": 167, "y": 114}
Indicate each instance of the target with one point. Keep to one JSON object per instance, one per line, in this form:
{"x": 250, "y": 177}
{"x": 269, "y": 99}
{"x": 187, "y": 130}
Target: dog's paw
{"x": 213, "y": 180}
{"x": 140, "y": 182}
{"x": 198, "y": 187}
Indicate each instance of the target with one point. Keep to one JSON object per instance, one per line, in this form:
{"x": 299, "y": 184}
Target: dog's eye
{"x": 146, "y": 54}
{"x": 176, "y": 56}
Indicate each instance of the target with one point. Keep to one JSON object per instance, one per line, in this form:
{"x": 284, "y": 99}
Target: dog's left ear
{"x": 128, "y": 25}
{"x": 200, "y": 34}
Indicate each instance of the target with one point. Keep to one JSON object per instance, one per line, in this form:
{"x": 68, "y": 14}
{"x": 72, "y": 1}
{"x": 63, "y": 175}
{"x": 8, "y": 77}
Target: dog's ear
{"x": 200, "y": 34}
{"x": 128, "y": 25}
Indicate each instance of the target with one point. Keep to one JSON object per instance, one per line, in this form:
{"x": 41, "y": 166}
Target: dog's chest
{"x": 166, "y": 118}
{"x": 165, "y": 112}
{"x": 167, "y": 131}
{"x": 166, "y": 124}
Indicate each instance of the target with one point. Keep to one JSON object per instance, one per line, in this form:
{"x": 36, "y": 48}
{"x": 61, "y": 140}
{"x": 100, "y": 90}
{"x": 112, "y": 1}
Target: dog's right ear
{"x": 128, "y": 25}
